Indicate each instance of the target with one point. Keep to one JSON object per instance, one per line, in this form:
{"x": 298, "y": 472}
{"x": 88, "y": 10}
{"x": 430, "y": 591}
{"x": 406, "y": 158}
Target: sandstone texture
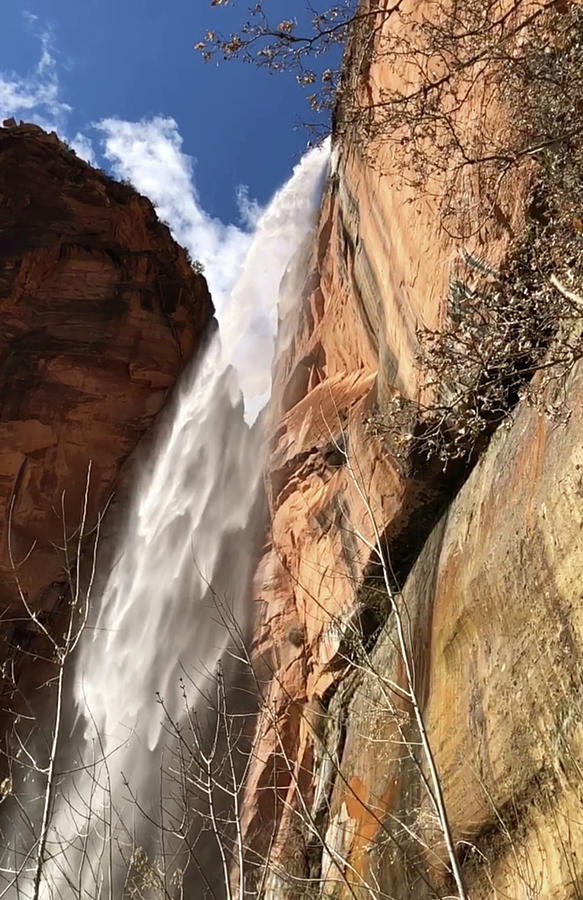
{"x": 492, "y": 602}
{"x": 100, "y": 312}
{"x": 495, "y": 602}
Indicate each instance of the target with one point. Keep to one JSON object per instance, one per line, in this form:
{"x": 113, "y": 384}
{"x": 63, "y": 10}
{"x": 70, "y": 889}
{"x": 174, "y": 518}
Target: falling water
{"x": 189, "y": 538}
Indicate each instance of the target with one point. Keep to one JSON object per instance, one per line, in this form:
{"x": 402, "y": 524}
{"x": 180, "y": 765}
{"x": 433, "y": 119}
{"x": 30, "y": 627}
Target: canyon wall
{"x": 487, "y": 570}
{"x": 100, "y": 311}
{"x": 480, "y": 573}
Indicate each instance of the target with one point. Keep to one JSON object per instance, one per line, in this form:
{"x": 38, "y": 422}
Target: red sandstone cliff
{"x": 100, "y": 312}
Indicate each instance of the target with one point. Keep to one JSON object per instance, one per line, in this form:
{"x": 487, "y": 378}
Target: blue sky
{"x": 134, "y": 60}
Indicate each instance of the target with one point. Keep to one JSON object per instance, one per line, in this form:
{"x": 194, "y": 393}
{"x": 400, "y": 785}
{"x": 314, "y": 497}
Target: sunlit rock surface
{"x": 495, "y": 601}
{"x": 494, "y": 595}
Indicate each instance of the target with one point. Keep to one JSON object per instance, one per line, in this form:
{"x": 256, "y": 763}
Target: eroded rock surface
{"x": 100, "y": 312}
{"x": 380, "y": 269}
{"x": 493, "y": 601}
{"x": 496, "y": 634}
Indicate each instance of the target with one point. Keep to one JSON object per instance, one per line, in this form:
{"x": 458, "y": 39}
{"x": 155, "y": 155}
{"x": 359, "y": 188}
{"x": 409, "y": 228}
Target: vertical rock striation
{"x": 490, "y": 582}
{"x": 100, "y": 312}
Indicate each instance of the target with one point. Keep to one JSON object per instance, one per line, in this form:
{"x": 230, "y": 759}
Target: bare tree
{"x": 33, "y": 752}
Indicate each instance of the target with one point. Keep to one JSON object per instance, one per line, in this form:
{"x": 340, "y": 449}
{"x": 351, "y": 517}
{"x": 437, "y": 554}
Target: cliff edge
{"x": 100, "y": 312}
{"x": 418, "y": 630}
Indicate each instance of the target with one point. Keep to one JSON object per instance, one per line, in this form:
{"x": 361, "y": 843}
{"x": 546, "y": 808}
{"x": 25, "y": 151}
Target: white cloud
{"x": 37, "y": 94}
{"x": 83, "y": 147}
{"x": 149, "y": 154}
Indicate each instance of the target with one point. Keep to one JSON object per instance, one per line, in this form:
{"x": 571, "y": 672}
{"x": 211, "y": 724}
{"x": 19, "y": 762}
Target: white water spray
{"x": 188, "y": 537}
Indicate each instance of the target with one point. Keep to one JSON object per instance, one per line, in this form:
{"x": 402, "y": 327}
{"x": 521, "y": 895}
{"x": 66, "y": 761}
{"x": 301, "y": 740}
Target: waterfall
{"x": 189, "y": 538}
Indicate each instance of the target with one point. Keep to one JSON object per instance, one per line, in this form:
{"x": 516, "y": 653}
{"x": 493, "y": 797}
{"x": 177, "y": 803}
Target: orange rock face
{"x": 100, "y": 311}
{"x": 381, "y": 268}
{"x": 494, "y": 606}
